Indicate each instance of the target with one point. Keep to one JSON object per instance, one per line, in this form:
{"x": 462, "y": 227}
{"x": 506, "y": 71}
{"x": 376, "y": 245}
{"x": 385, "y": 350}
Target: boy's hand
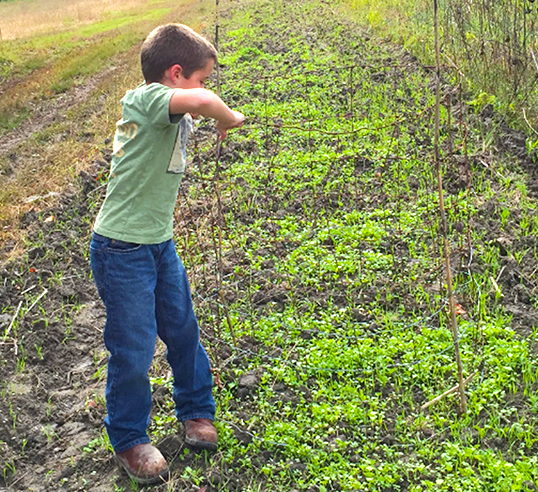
{"x": 223, "y": 127}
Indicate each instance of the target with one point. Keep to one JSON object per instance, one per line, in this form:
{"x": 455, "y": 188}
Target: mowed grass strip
{"x": 80, "y": 56}
{"x": 24, "y": 18}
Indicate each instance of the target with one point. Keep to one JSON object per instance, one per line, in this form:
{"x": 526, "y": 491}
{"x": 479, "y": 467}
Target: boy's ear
{"x": 175, "y": 71}
{"x": 171, "y": 74}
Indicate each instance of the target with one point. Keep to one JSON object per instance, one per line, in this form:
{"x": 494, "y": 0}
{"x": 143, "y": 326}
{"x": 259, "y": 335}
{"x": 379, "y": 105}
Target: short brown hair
{"x": 173, "y": 44}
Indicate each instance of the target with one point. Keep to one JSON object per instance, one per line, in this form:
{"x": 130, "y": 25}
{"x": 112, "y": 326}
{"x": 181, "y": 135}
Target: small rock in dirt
{"x": 72, "y": 428}
{"x": 36, "y": 253}
{"x": 249, "y": 380}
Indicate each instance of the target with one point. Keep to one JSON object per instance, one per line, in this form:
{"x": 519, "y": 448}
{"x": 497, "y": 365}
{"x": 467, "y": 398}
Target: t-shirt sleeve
{"x": 156, "y": 101}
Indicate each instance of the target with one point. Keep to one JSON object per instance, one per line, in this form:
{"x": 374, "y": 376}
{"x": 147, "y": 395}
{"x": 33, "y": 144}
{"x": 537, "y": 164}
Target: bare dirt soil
{"x": 53, "y": 361}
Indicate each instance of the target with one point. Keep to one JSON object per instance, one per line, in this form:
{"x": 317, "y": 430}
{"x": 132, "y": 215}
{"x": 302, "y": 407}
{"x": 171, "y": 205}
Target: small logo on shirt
{"x": 124, "y": 133}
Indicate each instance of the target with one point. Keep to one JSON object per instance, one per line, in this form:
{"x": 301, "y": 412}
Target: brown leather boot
{"x": 200, "y": 433}
{"x": 145, "y": 464}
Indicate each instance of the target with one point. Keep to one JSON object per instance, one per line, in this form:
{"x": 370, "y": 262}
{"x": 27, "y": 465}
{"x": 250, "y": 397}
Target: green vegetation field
{"x": 313, "y": 244}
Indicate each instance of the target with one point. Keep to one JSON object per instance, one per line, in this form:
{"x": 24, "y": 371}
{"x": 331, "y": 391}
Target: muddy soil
{"x": 53, "y": 362}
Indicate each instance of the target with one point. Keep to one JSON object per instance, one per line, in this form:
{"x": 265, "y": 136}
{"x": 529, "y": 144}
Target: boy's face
{"x": 196, "y": 80}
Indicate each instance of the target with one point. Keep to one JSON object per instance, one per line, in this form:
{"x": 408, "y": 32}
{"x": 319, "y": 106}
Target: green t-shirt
{"x": 148, "y": 162}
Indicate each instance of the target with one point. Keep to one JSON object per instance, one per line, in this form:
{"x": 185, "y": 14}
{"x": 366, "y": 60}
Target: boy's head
{"x": 174, "y": 44}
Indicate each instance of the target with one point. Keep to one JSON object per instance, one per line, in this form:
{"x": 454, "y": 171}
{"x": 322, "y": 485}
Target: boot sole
{"x": 162, "y": 477}
{"x": 196, "y": 443}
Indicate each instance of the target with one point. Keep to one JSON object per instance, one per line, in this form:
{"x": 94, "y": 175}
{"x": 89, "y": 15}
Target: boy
{"x": 138, "y": 274}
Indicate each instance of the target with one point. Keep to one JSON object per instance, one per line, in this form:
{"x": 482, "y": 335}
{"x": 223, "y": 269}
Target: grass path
{"x": 59, "y": 98}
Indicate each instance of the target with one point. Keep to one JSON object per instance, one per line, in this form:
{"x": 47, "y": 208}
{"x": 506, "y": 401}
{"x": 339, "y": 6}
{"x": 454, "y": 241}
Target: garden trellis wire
{"x": 275, "y": 132}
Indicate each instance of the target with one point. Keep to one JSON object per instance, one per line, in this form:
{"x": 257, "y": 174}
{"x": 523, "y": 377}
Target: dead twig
{"x": 528, "y": 123}
{"x": 443, "y": 219}
{"x": 455, "y": 66}
{"x": 448, "y": 392}
{"x": 8, "y": 331}
{"x": 220, "y": 221}
{"x": 534, "y": 59}
{"x": 36, "y": 301}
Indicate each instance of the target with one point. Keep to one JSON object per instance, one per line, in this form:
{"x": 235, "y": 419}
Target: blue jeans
{"x": 146, "y": 293}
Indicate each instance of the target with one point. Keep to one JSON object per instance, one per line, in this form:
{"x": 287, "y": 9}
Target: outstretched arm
{"x": 208, "y": 104}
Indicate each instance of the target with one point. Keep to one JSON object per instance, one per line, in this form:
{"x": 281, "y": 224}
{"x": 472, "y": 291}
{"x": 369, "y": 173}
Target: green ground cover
{"x": 331, "y": 202}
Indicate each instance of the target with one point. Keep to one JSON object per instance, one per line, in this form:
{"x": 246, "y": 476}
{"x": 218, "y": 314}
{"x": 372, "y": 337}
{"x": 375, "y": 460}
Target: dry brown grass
{"x": 48, "y": 162}
{"x": 47, "y": 169}
{"x": 26, "y": 18}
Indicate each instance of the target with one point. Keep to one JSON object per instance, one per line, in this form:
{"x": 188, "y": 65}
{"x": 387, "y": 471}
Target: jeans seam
{"x": 99, "y": 267}
{"x": 136, "y": 442}
{"x": 111, "y": 335}
{"x": 194, "y": 416}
